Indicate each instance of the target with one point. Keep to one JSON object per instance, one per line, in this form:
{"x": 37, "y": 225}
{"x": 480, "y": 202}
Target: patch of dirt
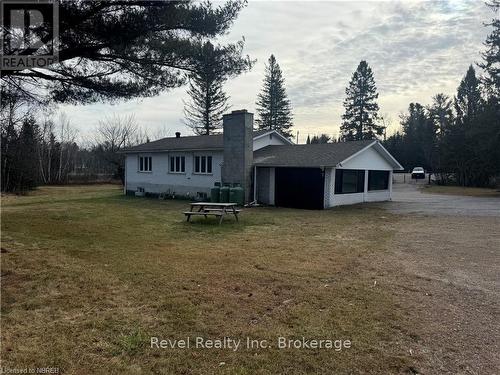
{"x": 445, "y": 274}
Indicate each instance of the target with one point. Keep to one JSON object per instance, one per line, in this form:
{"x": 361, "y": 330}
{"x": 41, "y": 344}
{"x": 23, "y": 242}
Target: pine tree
{"x": 273, "y": 106}
{"x": 468, "y": 100}
{"x": 491, "y": 56}
{"x": 122, "y": 49}
{"x": 208, "y": 99}
{"x": 322, "y": 138}
{"x": 361, "y": 108}
{"x": 441, "y": 113}
{"x": 213, "y": 67}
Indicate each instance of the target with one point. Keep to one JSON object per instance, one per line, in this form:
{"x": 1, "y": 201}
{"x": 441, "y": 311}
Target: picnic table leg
{"x": 221, "y": 217}
{"x": 235, "y": 213}
{"x": 188, "y": 218}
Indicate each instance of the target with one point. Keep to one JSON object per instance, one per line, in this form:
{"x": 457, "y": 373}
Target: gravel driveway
{"x": 444, "y": 270}
{"x": 407, "y": 198}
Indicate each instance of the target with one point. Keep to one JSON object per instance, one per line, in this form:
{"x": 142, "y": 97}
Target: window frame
{"x": 203, "y": 164}
{"x": 371, "y": 177}
{"x": 144, "y": 164}
{"x": 178, "y": 162}
{"x": 339, "y": 181}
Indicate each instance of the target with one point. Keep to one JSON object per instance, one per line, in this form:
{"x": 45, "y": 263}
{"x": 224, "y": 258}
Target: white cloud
{"x": 416, "y": 49}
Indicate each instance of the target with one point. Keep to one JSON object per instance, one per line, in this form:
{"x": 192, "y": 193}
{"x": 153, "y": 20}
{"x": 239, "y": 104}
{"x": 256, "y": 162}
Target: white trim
{"x": 400, "y": 167}
{"x": 274, "y": 132}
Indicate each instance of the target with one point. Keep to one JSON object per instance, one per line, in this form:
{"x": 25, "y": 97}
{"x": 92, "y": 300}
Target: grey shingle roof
{"x": 195, "y": 142}
{"x": 315, "y": 155}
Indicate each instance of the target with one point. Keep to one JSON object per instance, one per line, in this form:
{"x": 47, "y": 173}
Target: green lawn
{"x": 89, "y": 275}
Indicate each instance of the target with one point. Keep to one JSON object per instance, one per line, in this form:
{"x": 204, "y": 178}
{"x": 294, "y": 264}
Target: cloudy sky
{"x": 416, "y": 49}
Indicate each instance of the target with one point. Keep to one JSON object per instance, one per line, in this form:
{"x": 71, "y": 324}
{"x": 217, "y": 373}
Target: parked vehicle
{"x": 418, "y": 173}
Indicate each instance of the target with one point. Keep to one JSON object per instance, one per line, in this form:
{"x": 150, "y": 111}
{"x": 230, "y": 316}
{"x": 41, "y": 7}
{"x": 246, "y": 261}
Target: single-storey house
{"x": 271, "y": 169}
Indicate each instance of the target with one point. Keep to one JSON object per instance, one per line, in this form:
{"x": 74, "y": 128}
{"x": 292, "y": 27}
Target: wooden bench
{"x": 220, "y": 210}
{"x": 204, "y": 213}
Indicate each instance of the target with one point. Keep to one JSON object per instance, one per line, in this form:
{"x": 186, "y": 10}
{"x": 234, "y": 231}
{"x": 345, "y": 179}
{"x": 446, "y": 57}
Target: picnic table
{"x": 212, "y": 209}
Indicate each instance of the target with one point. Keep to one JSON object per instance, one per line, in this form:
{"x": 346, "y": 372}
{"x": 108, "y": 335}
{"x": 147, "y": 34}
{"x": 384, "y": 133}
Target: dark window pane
{"x": 361, "y": 181}
{"x": 172, "y": 161}
{"x": 183, "y": 164}
{"x": 349, "y": 181}
{"x": 150, "y": 163}
{"x": 197, "y": 164}
{"x": 378, "y": 180}
{"x": 177, "y": 164}
{"x": 338, "y": 181}
{"x": 203, "y": 164}
{"x": 209, "y": 164}
{"x": 141, "y": 163}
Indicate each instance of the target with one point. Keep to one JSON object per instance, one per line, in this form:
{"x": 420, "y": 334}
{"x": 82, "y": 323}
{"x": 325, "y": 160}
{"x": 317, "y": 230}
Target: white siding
{"x": 367, "y": 160}
{"x": 265, "y": 186}
{"x": 267, "y": 140}
{"x": 160, "y": 180}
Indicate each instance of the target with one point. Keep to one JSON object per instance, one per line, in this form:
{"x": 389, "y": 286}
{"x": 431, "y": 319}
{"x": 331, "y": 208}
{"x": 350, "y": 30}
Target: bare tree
{"x": 161, "y": 132}
{"x": 113, "y": 134}
{"x": 117, "y": 131}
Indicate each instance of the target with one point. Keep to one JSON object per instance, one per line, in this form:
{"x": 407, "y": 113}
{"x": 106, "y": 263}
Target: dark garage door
{"x": 299, "y": 188}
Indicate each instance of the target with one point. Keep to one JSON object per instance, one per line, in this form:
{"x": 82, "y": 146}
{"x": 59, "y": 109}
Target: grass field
{"x": 460, "y": 190}
{"x": 89, "y": 275}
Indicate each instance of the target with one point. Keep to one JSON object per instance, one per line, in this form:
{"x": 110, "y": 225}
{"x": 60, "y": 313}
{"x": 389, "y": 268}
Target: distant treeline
{"x": 458, "y": 139}
{"x": 41, "y": 152}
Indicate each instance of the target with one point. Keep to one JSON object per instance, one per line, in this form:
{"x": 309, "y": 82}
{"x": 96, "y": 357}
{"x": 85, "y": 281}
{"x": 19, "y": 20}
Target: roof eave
{"x": 274, "y": 132}
{"x": 171, "y": 150}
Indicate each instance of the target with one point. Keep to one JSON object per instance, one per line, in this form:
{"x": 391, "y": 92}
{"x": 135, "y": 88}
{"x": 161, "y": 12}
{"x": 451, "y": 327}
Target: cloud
{"x": 416, "y": 49}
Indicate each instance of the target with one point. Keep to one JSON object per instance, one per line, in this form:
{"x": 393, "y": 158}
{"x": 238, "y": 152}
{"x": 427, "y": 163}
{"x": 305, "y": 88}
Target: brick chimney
{"x": 238, "y": 150}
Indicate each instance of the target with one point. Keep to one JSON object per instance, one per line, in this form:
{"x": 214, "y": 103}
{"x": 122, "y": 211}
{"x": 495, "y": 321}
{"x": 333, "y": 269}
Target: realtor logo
{"x": 29, "y": 33}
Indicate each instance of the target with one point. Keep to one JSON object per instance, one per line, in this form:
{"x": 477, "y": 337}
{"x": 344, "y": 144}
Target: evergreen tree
{"x": 27, "y": 167}
{"x": 308, "y": 142}
{"x": 419, "y": 136}
{"x": 322, "y": 138}
{"x": 110, "y": 50}
{"x": 468, "y": 100}
{"x": 273, "y": 106}
{"x": 491, "y": 56}
{"x": 213, "y": 66}
{"x": 441, "y": 113}
{"x": 441, "y": 118}
{"x": 361, "y": 108}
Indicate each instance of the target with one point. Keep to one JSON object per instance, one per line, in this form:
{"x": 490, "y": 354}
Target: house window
{"x": 145, "y": 164}
{"x": 203, "y": 164}
{"x": 177, "y": 164}
{"x": 378, "y": 180}
{"x": 349, "y": 181}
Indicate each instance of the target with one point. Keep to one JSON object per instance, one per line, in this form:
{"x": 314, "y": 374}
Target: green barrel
{"x": 224, "y": 194}
{"x": 236, "y": 195}
{"x": 215, "y": 194}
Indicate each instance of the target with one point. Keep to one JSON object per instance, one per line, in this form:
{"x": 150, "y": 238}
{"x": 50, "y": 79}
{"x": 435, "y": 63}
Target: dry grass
{"x": 460, "y": 190}
{"x": 89, "y": 276}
